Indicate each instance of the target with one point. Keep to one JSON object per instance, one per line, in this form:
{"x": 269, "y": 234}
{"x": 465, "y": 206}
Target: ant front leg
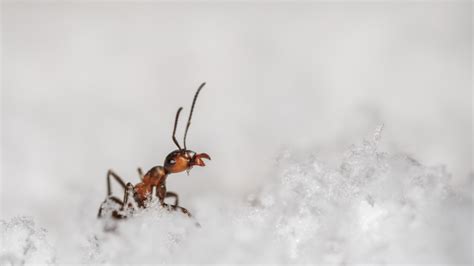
{"x": 173, "y": 194}
{"x": 174, "y": 208}
{"x": 161, "y": 193}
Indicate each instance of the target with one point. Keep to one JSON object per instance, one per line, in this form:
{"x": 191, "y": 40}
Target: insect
{"x": 154, "y": 181}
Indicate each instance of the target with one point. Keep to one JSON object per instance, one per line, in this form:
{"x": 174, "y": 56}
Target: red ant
{"x": 177, "y": 161}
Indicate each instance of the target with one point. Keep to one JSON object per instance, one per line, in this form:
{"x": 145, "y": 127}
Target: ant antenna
{"x": 191, "y": 112}
{"x": 175, "y": 125}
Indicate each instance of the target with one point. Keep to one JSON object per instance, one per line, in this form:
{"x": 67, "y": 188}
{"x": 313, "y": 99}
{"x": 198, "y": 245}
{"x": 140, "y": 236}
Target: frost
{"x": 24, "y": 243}
{"x": 373, "y": 207}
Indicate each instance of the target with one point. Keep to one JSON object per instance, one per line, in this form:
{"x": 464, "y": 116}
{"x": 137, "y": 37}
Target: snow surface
{"x": 373, "y": 208}
{"x": 23, "y": 242}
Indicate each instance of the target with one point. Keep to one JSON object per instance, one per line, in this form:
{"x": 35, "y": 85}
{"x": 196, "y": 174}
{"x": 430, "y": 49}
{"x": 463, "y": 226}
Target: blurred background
{"x": 92, "y": 86}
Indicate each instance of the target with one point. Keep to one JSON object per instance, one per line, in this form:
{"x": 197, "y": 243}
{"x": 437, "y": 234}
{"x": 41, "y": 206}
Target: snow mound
{"x": 373, "y": 207}
{"x": 24, "y": 243}
{"x": 150, "y": 234}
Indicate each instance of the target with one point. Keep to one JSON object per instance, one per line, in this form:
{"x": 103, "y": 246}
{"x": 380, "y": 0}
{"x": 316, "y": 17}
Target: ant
{"x": 177, "y": 161}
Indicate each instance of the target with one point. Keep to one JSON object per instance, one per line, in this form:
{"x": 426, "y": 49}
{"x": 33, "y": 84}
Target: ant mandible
{"x": 177, "y": 161}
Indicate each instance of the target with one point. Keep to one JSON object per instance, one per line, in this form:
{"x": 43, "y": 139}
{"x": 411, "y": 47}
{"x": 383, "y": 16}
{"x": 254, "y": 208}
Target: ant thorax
{"x": 155, "y": 176}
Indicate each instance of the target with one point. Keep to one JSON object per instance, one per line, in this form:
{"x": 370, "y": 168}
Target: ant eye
{"x": 172, "y": 161}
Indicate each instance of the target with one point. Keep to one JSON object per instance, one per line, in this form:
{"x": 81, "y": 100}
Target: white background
{"x": 92, "y": 86}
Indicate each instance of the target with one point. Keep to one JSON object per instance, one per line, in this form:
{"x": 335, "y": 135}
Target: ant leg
{"x": 118, "y": 178}
{"x": 161, "y": 193}
{"x": 172, "y": 194}
{"x": 184, "y": 210}
{"x": 114, "y": 199}
{"x": 109, "y": 190}
{"x": 174, "y": 207}
{"x": 128, "y": 191}
{"x": 140, "y": 173}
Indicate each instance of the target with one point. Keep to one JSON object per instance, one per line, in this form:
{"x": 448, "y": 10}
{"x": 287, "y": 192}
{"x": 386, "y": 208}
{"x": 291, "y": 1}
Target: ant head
{"x": 184, "y": 159}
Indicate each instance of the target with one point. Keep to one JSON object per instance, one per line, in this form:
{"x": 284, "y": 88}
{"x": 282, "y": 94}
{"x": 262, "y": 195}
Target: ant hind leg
{"x": 109, "y": 191}
{"x": 126, "y": 196}
{"x": 112, "y": 198}
{"x": 117, "y": 178}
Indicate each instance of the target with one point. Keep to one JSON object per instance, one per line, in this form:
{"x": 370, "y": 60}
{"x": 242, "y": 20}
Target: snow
{"x": 373, "y": 207}
{"x": 24, "y": 243}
